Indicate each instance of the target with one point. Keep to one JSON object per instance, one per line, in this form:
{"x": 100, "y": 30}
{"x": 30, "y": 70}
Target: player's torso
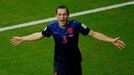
{"x": 66, "y": 43}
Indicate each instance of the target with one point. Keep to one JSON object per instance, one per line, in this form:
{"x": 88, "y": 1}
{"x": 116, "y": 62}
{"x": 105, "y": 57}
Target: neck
{"x": 63, "y": 24}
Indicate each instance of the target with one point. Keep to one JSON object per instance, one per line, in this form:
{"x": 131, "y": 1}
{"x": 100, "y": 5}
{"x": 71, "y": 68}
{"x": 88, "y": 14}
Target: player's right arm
{"x": 35, "y": 36}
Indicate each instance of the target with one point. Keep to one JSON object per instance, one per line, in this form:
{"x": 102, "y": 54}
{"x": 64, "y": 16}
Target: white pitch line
{"x": 71, "y": 15}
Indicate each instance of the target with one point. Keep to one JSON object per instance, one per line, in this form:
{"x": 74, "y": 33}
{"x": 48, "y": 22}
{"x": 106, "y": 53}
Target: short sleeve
{"x": 83, "y": 29}
{"x": 47, "y": 31}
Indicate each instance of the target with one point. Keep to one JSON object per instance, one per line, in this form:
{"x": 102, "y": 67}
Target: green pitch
{"x": 36, "y": 58}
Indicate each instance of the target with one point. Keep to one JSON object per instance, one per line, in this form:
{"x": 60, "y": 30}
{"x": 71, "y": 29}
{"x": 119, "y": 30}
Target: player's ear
{"x": 56, "y": 16}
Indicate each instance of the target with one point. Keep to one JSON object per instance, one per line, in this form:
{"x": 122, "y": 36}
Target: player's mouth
{"x": 62, "y": 20}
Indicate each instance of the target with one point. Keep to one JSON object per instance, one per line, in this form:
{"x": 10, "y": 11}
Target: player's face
{"x": 62, "y": 16}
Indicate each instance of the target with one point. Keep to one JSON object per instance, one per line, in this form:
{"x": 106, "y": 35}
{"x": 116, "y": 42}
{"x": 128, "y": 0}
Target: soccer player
{"x": 67, "y": 57}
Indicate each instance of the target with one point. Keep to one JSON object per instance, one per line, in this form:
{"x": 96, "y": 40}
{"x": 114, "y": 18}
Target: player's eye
{"x": 59, "y": 14}
{"x": 64, "y": 14}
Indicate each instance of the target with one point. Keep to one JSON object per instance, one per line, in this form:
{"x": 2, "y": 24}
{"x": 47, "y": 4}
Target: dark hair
{"x": 62, "y": 7}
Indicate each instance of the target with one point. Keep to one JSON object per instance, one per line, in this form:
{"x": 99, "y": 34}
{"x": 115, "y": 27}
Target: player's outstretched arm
{"x": 18, "y": 40}
{"x": 115, "y": 41}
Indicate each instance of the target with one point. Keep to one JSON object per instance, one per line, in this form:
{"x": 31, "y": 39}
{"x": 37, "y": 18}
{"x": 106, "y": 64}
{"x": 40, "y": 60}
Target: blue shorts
{"x": 67, "y": 69}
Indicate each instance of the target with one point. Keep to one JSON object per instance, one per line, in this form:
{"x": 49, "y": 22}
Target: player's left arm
{"x": 115, "y": 41}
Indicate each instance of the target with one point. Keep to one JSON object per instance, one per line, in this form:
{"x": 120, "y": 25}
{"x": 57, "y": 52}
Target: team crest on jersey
{"x": 70, "y": 30}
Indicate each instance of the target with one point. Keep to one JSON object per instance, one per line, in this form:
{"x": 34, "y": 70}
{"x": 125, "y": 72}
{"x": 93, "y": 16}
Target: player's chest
{"x": 67, "y": 33}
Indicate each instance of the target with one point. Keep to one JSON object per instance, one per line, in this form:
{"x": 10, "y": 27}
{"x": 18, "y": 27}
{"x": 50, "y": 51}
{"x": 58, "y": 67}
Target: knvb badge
{"x": 70, "y": 31}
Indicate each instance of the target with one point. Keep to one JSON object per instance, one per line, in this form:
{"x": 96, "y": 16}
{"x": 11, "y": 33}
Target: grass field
{"x": 36, "y": 58}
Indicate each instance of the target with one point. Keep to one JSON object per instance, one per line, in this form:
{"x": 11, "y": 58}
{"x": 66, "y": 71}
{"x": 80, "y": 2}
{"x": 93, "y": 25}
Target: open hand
{"x": 118, "y": 43}
{"x": 16, "y": 40}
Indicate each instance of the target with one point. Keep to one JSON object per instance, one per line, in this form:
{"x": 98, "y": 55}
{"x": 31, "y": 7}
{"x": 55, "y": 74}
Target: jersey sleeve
{"x": 83, "y": 29}
{"x": 47, "y": 31}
